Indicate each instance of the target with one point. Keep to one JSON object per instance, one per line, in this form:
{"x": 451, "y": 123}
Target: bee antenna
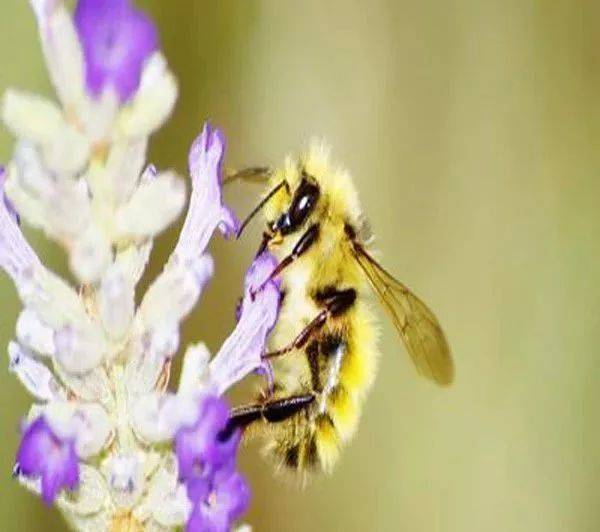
{"x": 259, "y": 207}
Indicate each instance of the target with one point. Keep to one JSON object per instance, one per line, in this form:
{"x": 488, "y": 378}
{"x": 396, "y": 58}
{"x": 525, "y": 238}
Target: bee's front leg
{"x": 306, "y": 241}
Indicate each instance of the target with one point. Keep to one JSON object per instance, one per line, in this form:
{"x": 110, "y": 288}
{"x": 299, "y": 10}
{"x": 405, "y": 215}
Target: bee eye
{"x": 302, "y": 205}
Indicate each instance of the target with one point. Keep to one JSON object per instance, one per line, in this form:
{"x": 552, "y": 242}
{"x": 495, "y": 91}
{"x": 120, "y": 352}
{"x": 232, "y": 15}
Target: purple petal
{"x": 242, "y": 352}
{"x": 206, "y": 211}
{"x": 35, "y": 446}
{"x": 116, "y": 39}
{"x": 223, "y": 505}
{"x": 198, "y": 488}
{"x": 202, "y": 520}
{"x": 259, "y": 271}
{"x": 43, "y": 455}
{"x": 199, "y": 449}
{"x": 232, "y": 495}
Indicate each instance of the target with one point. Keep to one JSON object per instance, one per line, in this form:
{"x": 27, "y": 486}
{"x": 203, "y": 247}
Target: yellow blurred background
{"x": 473, "y": 131}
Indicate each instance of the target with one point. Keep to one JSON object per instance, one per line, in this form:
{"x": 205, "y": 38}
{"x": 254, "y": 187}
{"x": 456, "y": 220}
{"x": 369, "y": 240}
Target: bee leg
{"x": 336, "y": 302}
{"x": 304, "y": 336}
{"x": 302, "y": 246}
{"x": 272, "y": 411}
{"x": 266, "y": 238}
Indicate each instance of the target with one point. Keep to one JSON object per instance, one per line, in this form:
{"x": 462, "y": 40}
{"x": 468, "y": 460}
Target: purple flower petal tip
{"x": 205, "y": 162}
{"x": 116, "y": 39}
{"x": 44, "y": 455}
{"x": 230, "y": 224}
{"x": 207, "y": 151}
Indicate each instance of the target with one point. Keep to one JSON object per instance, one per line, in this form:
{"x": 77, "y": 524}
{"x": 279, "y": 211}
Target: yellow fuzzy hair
{"x": 330, "y": 262}
{"x": 335, "y": 183}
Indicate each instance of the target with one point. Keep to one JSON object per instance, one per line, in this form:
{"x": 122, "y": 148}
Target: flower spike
{"x": 95, "y": 358}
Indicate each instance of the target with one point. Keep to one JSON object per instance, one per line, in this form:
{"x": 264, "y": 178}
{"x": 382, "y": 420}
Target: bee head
{"x": 309, "y": 190}
{"x": 302, "y": 204}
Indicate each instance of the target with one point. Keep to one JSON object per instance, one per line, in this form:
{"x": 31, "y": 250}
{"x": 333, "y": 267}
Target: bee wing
{"x": 415, "y": 322}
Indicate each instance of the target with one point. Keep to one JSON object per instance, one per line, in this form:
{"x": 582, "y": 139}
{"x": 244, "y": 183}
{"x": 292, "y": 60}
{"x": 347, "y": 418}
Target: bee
{"x": 324, "y": 345}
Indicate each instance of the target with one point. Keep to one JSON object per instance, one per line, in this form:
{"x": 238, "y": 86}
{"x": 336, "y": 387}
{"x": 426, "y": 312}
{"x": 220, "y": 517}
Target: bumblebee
{"x": 324, "y": 345}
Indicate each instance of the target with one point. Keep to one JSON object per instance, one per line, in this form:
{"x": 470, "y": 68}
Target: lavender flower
{"x": 117, "y": 39}
{"x": 104, "y": 426}
{"x": 206, "y": 457}
{"x": 43, "y": 454}
{"x": 199, "y": 450}
{"x": 219, "y": 503}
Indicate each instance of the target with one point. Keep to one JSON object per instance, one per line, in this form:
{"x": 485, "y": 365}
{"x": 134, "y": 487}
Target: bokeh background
{"x": 473, "y": 131}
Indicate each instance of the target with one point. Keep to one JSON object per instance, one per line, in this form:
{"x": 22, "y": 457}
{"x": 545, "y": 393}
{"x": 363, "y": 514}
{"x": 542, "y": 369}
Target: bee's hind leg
{"x": 272, "y": 411}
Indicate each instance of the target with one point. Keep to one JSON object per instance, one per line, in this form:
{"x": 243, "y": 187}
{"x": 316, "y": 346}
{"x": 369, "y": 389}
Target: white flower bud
{"x": 93, "y": 386}
{"x": 116, "y": 302}
{"x": 124, "y": 165}
{"x": 62, "y": 51}
{"x": 156, "y": 417}
{"x": 152, "y": 207}
{"x": 194, "y": 371}
{"x": 153, "y": 102}
{"x": 166, "y": 501}
{"x": 35, "y": 334}
{"x": 79, "y": 349}
{"x": 87, "y": 423}
{"x": 133, "y": 260}
{"x": 150, "y": 351}
{"x": 91, "y": 496}
{"x": 67, "y": 152}
{"x": 124, "y": 474}
{"x": 30, "y": 116}
{"x": 90, "y": 255}
{"x": 175, "y": 291}
{"x": 35, "y": 376}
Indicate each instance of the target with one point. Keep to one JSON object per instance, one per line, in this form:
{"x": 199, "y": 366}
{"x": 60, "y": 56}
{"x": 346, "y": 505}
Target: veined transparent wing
{"x": 415, "y": 322}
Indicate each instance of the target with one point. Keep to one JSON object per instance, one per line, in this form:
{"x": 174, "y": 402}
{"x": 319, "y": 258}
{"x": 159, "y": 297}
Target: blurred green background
{"x": 473, "y": 131}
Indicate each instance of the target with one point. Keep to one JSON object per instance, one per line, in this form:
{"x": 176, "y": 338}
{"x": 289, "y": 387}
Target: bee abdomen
{"x": 315, "y": 447}
{"x": 300, "y": 453}
{"x": 319, "y": 437}
{"x": 312, "y": 439}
